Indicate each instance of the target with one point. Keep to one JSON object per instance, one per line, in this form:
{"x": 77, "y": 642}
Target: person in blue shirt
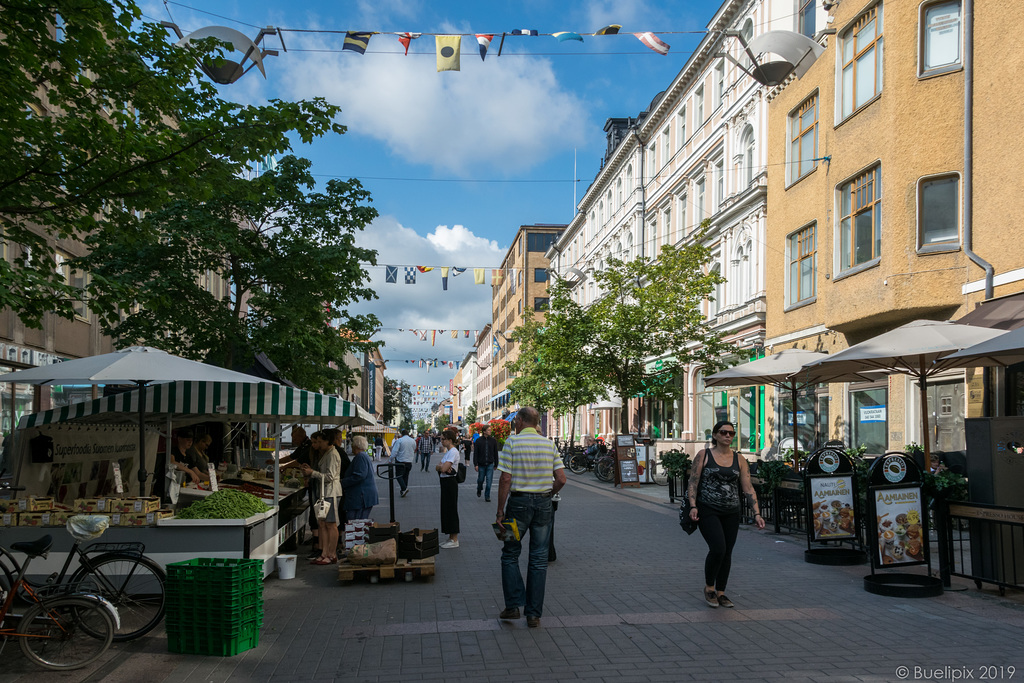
{"x": 403, "y": 451}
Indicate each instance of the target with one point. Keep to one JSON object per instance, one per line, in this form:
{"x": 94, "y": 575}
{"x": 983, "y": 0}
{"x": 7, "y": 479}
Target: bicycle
{"x": 604, "y": 468}
{"x": 659, "y": 475}
{"x": 60, "y": 631}
{"x": 119, "y": 572}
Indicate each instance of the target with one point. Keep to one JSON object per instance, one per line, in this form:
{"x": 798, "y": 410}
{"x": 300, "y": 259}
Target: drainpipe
{"x": 969, "y": 150}
{"x": 643, "y": 188}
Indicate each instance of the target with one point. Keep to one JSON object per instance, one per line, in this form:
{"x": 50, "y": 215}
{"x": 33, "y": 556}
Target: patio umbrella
{"x": 138, "y": 365}
{"x": 1006, "y": 349}
{"x": 778, "y": 370}
{"x": 920, "y": 349}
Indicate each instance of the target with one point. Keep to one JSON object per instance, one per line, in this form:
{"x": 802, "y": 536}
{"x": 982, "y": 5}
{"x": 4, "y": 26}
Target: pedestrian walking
{"x": 447, "y": 471}
{"x": 378, "y": 447}
{"x": 325, "y": 482}
{"x": 358, "y": 484}
{"x": 424, "y": 447}
{"x": 485, "y": 459}
{"x": 714, "y": 491}
{"x": 402, "y": 453}
{"x": 531, "y": 472}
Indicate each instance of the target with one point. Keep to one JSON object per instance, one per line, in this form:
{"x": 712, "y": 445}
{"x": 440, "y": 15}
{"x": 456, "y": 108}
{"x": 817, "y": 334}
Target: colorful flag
{"x": 497, "y": 277}
{"x": 422, "y": 334}
{"x": 410, "y": 275}
{"x": 455, "y": 334}
{"x": 433, "y": 337}
{"x": 448, "y": 53}
{"x": 609, "y": 30}
{"x": 444, "y": 278}
{"x": 494, "y": 345}
{"x": 467, "y": 333}
{"x": 391, "y": 274}
{"x": 484, "y": 39}
{"x": 563, "y": 36}
{"x": 457, "y": 271}
{"x": 523, "y": 32}
{"x": 654, "y": 42}
{"x": 406, "y": 38}
{"x": 478, "y": 276}
{"x": 357, "y": 41}
{"x": 424, "y": 269}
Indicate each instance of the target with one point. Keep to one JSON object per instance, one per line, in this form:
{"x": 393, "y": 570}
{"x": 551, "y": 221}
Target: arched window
{"x": 715, "y": 304}
{"x": 747, "y": 32}
{"x": 738, "y": 276}
{"x": 618, "y": 250}
{"x": 629, "y": 179}
{"x": 749, "y": 168}
{"x": 618, "y": 191}
{"x": 609, "y": 200}
{"x": 600, "y": 215}
{"x": 629, "y": 247}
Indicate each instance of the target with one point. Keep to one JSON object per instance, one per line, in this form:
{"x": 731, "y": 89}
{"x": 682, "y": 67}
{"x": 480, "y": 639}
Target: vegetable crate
{"x": 214, "y": 606}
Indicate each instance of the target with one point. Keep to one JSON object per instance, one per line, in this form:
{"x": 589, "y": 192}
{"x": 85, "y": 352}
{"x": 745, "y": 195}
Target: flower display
{"x": 500, "y": 429}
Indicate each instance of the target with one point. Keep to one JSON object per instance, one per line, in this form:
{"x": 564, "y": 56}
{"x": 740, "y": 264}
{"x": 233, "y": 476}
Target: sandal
{"x": 320, "y": 561}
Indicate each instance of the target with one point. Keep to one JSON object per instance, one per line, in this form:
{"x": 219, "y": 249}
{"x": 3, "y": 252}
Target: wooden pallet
{"x": 407, "y": 569}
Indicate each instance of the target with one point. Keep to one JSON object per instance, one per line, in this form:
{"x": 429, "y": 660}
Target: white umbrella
{"x": 920, "y": 349}
{"x": 779, "y": 370}
{"x": 1006, "y": 349}
{"x": 139, "y": 365}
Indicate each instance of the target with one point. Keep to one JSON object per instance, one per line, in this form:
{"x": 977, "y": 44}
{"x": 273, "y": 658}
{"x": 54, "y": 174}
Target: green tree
{"x": 422, "y": 426}
{"x": 441, "y": 421}
{"x": 551, "y": 372}
{"x": 398, "y": 403}
{"x": 288, "y": 255}
{"x": 104, "y": 120}
{"x": 471, "y": 413}
{"x": 653, "y": 309}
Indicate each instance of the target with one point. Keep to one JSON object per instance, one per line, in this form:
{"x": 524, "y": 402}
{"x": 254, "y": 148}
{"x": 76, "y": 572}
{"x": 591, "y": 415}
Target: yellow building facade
{"x": 876, "y": 202}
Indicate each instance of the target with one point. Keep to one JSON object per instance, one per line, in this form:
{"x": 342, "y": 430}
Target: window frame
{"x": 875, "y": 206}
{"x": 541, "y": 303}
{"x": 720, "y": 83}
{"x": 945, "y": 245}
{"x": 876, "y": 15}
{"x": 802, "y": 7}
{"x": 65, "y": 270}
{"x": 681, "y": 130}
{"x": 796, "y": 135}
{"x": 792, "y": 303}
{"x": 698, "y": 103}
{"x": 701, "y": 190}
{"x": 922, "y": 71}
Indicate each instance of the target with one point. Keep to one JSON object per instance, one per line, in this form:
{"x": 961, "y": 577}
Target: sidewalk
{"x": 623, "y": 604}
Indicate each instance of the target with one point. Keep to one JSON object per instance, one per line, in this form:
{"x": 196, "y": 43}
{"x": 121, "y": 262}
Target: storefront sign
{"x": 872, "y": 414}
{"x": 899, "y": 529}
{"x": 832, "y": 508}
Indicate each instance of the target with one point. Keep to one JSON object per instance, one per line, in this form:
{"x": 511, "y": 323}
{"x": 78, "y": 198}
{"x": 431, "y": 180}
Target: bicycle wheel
{"x": 605, "y": 469}
{"x": 658, "y": 473}
{"x": 134, "y": 584}
{"x": 66, "y": 633}
{"x": 578, "y": 464}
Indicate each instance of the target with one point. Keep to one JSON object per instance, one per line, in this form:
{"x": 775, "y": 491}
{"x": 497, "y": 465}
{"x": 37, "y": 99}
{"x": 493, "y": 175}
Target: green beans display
{"x": 224, "y": 504}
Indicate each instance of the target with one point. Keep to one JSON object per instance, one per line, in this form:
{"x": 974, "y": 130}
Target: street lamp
{"x": 223, "y": 70}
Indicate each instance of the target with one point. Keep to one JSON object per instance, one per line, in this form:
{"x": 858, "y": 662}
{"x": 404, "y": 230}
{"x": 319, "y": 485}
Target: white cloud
{"x": 507, "y": 113}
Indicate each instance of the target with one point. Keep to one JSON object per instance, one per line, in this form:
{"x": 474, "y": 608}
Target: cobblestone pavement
{"x": 623, "y": 604}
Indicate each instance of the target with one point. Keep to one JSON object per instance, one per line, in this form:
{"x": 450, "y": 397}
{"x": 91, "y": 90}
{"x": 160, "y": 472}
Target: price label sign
{"x": 267, "y": 444}
{"x": 118, "y": 484}
{"x": 213, "y": 476}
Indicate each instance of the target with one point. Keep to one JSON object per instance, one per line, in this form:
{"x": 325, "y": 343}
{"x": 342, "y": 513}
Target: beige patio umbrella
{"x": 1006, "y": 349}
{"x": 920, "y": 349}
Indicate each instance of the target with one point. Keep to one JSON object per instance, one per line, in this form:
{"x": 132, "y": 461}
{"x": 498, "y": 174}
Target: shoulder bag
{"x": 460, "y": 475}
{"x": 688, "y": 525}
{"x": 322, "y": 507}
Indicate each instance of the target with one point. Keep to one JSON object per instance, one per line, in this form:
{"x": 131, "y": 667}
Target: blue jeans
{"x": 533, "y": 513}
{"x": 485, "y": 473}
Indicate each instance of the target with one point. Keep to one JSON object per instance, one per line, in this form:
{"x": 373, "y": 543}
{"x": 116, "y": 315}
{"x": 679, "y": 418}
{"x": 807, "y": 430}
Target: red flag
{"x": 406, "y": 38}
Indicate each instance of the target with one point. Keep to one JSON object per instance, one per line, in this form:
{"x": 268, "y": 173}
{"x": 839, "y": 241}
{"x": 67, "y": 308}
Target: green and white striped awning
{"x": 229, "y": 401}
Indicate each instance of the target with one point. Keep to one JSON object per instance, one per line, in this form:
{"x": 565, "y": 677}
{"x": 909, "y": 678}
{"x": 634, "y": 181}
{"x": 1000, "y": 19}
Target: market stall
{"x": 81, "y": 452}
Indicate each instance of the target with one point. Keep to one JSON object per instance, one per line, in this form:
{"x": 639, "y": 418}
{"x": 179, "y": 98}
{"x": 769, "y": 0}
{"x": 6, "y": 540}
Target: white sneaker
{"x": 450, "y": 544}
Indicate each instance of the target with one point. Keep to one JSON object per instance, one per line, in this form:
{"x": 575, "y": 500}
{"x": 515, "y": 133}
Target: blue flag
{"x": 391, "y": 274}
{"x": 357, "y": 41}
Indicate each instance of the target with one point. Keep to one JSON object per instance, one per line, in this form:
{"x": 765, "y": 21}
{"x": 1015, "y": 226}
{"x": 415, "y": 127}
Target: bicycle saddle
{"x": 34, "y": 548}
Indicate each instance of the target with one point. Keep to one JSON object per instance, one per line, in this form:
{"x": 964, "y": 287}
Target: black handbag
{"x": 689, "y": 526}
{"x": 460, "y": 474}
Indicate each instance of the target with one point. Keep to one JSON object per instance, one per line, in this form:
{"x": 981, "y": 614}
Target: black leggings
{"x": 719, "y": 530}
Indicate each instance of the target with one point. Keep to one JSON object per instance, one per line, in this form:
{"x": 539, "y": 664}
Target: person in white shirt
{"x": 403, "y": 450}
{"x": 448, "y": 470}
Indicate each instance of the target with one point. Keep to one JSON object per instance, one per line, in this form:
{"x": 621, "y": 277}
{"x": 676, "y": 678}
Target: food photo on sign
{"x": 898, "y": 518}
{"x": 832, "y": 508}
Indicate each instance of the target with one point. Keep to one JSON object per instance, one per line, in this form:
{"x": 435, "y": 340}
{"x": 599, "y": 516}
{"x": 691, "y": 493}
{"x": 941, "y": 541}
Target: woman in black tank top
{"x": 718, "y": 475}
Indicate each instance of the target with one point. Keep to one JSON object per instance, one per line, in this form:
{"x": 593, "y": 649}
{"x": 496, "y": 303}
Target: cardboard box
{"x": 93, "y": 505}
{"x": 34, "y": 504}
{"x": 162, "y": 513}
{"x": 381, "y": 532}
{"x": 9, "y": 519}
{"x": 8, "y": 506}
{"x": 120, "y": 505}
{"x": 56, "y": 517}
{"x": 129, "y": 519}
{"x": 31, "y": 518}
{"x": 145, "y": 504}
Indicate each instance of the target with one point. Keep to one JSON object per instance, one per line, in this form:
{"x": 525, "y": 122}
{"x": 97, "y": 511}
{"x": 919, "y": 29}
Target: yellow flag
{"x": 478, "y": 276}
{"x": 448, "y": 49}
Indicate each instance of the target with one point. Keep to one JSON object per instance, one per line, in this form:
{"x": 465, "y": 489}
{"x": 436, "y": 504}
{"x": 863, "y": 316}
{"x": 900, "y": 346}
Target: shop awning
{"x": 500, "y": 395}
{"x": 1004, "y": 313}
{"x": 226, "y": 400}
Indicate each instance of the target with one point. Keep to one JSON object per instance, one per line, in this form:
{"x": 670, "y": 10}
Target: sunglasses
{"x": 725, "y": 432}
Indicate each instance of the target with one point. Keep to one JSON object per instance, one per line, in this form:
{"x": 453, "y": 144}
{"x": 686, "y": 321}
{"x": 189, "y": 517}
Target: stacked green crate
{"x": 214, "y": 606}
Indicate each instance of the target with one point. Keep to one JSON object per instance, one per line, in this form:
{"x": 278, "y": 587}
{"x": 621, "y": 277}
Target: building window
{"x": 668, "y": 226}
{"x": 600, "y": 215}
{"x": 540, "y": 303}
{"x": 681, "y": 216}
{"x": 938, "y": 210}
{"x": 681, "y": 118}
{"x": 805, "y": 17}
{"x": 803, "y": 139}
{"x": 666, "y": 152}
{"x": 719, "y": 84}
{"x": 698, "y": 105}
{"x": 652, "y": 162}
{"x": 719, "y": 184}
{"x": 862, "y": 61}
{"x": 74, "y": 278}
{"x": 941, "y": 37}
{"x": 860, "y": 223}
{"x": 608, "y": 200}
{"x": 748, "y": 33}
{"x": 749, "y": 163}
{"x": 701, "y": 214}
{"x": 540, "y": 274}
{"x": 869, "y": 419}
{"x": 618, "y": 192}
{"x": 540, "y": 241}
{"x": 715, "y": 303}
{"x": 629, "y": 179}
{"x": 803, "y": 264}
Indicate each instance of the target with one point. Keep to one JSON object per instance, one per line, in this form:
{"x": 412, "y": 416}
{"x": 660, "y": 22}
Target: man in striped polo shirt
{"x": 531, "y": 472}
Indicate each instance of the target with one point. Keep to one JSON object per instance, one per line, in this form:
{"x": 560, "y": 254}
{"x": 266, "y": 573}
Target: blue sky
{"x": 421, "y": 141}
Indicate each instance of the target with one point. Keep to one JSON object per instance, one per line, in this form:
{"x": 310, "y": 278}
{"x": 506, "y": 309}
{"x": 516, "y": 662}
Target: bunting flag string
{"x": 654, "y": 42}
{"x": 406, "y": 38}
{"x": 498, "y": 275}
{"x": 484, "y": 40}
{"x": 422, "y": 334}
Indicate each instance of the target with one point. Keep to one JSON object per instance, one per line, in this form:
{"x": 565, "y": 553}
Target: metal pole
{"x": 142, "y": 439}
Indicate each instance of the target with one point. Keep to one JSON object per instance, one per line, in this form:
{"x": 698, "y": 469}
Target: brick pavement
{"x": 623, "y": 604}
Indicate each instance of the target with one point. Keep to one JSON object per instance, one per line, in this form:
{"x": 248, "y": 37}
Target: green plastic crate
{"x": 193, "y": 643}
{"x": 205, "y": 570}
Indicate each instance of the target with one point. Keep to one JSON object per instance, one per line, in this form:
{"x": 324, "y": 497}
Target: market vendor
{"x": 197, "y": 454}
{"x": 300, "y": 454}
{"x": 180, "y": 459}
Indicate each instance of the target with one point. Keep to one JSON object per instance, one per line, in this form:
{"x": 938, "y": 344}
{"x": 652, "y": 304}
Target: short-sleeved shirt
{"x": 531, "y": 460}
{"x": 403, "y": 449}
{"x": 453, "y": 457}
